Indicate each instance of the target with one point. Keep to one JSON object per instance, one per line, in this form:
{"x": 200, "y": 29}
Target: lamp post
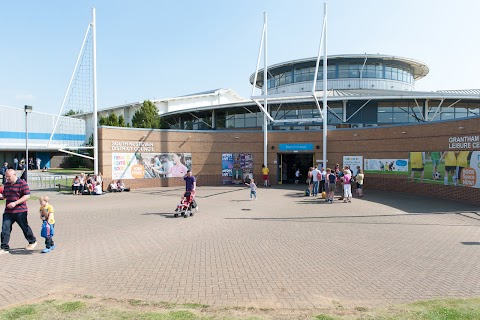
{"x": 28, "y": 109}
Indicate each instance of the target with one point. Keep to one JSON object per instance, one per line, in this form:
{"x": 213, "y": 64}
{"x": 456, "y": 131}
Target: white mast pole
{"x": 265, "y": 89}
{"x": 95, "y": 121}
{"x": 325, "y": 89}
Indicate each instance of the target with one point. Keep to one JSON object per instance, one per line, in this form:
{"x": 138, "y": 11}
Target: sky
{"x": 163, "y": 49}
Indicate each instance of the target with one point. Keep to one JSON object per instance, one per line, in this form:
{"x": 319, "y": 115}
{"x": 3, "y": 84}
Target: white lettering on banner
{"x": 466, "y": 142}
{"x": 132, "y": 146}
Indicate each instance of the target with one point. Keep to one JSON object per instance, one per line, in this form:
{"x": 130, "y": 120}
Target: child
{"x": 46, "y": 213}
{"x": 253, "y": 189}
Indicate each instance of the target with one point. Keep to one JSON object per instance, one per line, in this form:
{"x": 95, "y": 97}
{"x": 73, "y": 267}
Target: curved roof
{"x": 420, "y": 69}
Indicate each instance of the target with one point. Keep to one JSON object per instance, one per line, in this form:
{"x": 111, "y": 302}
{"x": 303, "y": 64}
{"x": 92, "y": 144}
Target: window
{"x": 354, "y": 71}
{"x": 343, "y": 71}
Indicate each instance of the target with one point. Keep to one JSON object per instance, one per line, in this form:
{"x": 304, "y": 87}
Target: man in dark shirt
{"x": 16, "y": 193}
{"x": 191, "y": 185}
{"x": 190, "y": 181}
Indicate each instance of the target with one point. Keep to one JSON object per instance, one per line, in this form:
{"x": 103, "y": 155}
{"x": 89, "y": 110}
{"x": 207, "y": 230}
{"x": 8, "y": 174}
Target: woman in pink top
{"x": 347, "y": 187}
{"x": 178, "y": 169}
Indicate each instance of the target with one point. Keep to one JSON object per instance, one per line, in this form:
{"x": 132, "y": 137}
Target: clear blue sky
{"x": 161, "y": 49}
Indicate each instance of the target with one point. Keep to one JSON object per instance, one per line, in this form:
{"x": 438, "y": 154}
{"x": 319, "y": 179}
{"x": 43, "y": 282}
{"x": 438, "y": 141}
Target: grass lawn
{"x": 89, "y": 307}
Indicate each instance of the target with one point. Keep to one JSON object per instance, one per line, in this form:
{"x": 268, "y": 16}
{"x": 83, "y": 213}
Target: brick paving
{"x": 281, "y": 251}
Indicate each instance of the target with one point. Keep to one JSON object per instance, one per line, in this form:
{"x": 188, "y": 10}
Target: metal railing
{"x": 48, "y": 181}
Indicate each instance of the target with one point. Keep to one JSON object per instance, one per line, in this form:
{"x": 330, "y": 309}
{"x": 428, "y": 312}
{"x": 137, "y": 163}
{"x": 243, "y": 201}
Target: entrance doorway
{"x": 288, "y": 164}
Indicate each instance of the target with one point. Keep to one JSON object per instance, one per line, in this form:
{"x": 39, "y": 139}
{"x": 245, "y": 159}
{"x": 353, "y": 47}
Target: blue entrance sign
{"x": 295, "y": 146}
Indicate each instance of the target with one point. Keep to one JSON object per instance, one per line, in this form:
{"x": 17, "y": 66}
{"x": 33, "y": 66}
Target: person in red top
{"x": 16, "y": 193}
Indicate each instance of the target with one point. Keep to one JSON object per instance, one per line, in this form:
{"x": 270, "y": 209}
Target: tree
{"x": 71, "y": 112}
{"x": 147, "y": 116}
{"x": 121, "y": 121}
{"x": 112, "y": 121}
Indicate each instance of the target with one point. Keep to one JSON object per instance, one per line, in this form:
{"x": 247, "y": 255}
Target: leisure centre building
{"x": 374, "y": 114}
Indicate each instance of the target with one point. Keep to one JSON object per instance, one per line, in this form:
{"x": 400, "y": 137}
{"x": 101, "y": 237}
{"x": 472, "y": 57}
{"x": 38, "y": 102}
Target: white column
{"x": 95, "y": 121}
{"x": 325, "y": 90}
{"x": 265, "y": 103}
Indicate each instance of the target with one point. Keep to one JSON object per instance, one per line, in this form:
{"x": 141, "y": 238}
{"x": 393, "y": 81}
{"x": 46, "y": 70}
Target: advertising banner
{"x": 386, "y": 166}
{"x": 458, "y": 168}
{"x": 237, "y": 168}
{"x": 150, "y": 165}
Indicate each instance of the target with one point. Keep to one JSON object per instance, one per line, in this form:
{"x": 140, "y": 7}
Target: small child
{"x": 46, "y": 213}
{"x": 253, "y": 189}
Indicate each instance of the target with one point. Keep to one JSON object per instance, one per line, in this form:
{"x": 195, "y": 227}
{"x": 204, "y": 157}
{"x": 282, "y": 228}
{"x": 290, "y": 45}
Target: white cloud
{"x": 24, "y": 96}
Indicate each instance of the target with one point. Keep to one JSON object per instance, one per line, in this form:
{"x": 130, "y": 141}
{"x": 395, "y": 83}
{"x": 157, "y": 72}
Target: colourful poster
{"x": 457, "y": 168}
{"x": 150, "y": 165}
{"x": 237, "y": 168}
{"x": 386, "y": 166}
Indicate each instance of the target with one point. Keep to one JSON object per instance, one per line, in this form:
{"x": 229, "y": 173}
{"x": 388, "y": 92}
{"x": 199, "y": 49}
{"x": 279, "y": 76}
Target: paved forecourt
{"x": 280, "y": 251}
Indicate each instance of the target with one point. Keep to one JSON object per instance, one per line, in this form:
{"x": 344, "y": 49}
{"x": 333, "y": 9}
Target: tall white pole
{"x": 265, "y": 90}
{"x": 95, "y": 121}
{"x": 325, "y": 92}
{"x": 26, "y": 146}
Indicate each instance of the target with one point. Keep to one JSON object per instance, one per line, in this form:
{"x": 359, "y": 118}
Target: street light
{"x": 28, "y": 109}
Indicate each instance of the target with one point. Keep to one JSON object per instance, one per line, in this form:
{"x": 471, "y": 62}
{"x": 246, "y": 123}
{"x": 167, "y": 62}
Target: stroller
{"x": 187, "y": 205}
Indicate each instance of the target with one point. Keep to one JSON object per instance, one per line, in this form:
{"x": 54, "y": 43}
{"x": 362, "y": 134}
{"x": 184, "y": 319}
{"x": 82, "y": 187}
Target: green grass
{"x": 89, "y": 307}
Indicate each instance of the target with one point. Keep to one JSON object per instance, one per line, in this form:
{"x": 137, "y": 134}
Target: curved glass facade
{"x": 377, "y": 70}
{"x": 375, "y": 113}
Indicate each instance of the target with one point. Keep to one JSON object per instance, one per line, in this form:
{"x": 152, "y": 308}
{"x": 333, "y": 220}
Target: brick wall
{"x": 377, "y": 142}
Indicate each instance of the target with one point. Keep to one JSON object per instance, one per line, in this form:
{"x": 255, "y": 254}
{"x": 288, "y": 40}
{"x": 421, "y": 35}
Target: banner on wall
{"x": 353, "y": 162}
{"x": 458, "y": 168}
{"x": 237, "y": 168}
{"x": 150, "y": 165}
{"x": 386, "y": 166}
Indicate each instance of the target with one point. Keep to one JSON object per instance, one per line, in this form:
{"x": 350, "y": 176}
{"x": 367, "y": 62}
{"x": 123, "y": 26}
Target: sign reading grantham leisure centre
{"x": 465, "y": 142}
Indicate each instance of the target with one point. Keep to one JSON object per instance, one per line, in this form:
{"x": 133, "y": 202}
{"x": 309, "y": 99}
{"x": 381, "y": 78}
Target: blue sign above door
{"x": 295, "y": 146}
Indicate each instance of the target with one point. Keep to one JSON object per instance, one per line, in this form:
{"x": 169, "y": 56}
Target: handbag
{"x": 47, "y": 230}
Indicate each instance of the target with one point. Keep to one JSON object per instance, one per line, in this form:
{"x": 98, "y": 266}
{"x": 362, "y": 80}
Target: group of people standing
{"x": 338, "y": 179}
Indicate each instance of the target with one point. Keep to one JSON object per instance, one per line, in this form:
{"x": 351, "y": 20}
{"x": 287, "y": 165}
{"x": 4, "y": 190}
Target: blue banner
{"x": 295, "y": 146}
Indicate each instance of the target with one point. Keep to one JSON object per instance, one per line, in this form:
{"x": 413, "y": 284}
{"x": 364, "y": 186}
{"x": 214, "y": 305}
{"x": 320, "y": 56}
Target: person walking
{"x": 297, "y": 175}
{"x": 4, "y": 173}
{"x": 15, "y": 162}
{"x": 46, "y": 214}
{"x": 253, "y": 189}
{"x": 16, "y": 193}
{"x": 191, "y": 185}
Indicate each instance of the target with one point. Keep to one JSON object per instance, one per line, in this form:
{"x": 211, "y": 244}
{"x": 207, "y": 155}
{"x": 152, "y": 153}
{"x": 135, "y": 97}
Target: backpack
{"x": 319, "y": 176}
{"x": 47, "y": 230}
{"x": 307, "y": 193}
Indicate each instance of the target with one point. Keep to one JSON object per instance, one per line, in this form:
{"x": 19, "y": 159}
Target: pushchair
{"x": 187, "y": 205}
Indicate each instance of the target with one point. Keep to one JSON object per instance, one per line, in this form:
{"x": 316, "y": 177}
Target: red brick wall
{"x": 377, "y": 142}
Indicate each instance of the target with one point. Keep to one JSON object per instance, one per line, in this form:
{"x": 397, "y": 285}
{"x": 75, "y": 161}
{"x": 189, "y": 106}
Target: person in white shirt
{"x": 315, "y": 177}
{"x": 98, "y": 189}
{"x": 297, "y": 176}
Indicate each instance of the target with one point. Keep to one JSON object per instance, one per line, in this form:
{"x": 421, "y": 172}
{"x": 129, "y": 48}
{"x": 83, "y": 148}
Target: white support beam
{"x": 447, "y": 108}
{"x": 264, "y": 111}
{"x": 201, "y": 120}
{"x": 419, "y": 110}
{"x": 76, "y": 154}
{"x": 438, "y": 109}
{"x": 320, "y": 111}
{"x": 358, "y": 110}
